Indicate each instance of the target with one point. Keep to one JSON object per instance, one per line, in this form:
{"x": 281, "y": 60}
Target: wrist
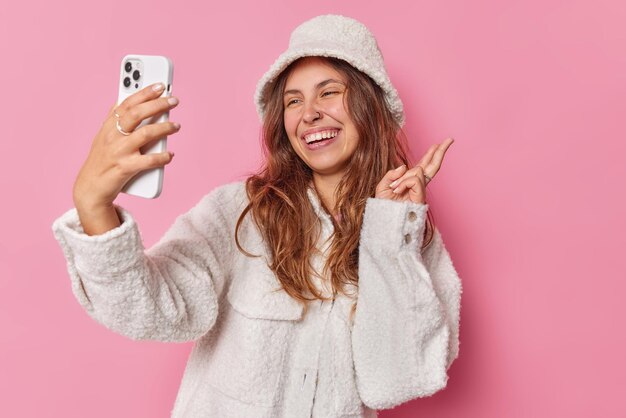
{"x": 93, "y": 206}
{"x": 85, "y": 201}
{"x": 97, "y": 218}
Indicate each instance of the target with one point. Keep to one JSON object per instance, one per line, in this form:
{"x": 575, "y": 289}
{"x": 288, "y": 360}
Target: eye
{"x": 328, "y": 93}
{"x": 290, "y": 102}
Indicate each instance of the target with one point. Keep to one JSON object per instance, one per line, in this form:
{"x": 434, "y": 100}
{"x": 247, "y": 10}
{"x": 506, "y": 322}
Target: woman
{"x": 316, "y": 287}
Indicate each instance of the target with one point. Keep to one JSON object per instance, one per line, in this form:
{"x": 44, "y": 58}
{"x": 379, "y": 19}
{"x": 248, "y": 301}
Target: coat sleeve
{"x": 406, "y": 324}
{"x": 166, "y": 293}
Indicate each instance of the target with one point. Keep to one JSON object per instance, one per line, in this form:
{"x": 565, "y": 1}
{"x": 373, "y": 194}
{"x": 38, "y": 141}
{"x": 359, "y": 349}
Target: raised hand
{"x": 410, "y": 185}
{"x": 115, "y": 155}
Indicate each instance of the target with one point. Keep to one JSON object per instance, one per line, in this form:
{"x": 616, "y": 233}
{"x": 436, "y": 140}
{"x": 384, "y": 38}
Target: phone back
{"x": 137, "y": 72}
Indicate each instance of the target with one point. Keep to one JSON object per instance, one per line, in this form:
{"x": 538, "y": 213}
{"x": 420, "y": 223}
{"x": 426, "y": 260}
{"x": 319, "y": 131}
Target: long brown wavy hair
{"x": 279, "y": 202}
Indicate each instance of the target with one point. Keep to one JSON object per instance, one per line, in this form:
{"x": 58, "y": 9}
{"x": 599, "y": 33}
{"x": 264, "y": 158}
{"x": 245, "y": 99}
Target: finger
{"x": 151, "y": 132}
{"x": 390, "y": 176}
{"x": 430, "y": 162}
{"x": 408, "y": 182}
{"x": 407, "y": 175}
{"x": 435, "y": 164}
{"x": 133, "y": 116}
{"x": 428, "y": 156}
{"x": 149, "y": 161}
{"x": 413, "y": 183}
{"x": 147, "y": 93}
{"x": 110, "y": 115}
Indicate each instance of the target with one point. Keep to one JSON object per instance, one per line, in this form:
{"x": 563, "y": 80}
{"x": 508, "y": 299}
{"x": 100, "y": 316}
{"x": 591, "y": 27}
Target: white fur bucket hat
{"x": 338, "y": 37}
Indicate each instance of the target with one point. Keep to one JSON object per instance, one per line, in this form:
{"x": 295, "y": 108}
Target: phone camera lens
{"x": 126, "y": 81}
{"x": 128, "y": 67}
{"x": 136, "y": 75}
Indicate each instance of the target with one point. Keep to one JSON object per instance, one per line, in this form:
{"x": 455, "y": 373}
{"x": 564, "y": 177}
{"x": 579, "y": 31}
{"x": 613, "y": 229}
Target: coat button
{"x": 407, "y": 238}
{"x": 412, "y": 216}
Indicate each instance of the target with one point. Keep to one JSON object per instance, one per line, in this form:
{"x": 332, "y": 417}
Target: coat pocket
{"x": 253, "y": 337}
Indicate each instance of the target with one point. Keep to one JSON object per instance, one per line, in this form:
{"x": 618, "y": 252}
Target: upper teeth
{"x": 320, "y": 135}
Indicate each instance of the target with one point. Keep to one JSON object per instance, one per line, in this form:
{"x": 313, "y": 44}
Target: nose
{"x": 311, "y": 113}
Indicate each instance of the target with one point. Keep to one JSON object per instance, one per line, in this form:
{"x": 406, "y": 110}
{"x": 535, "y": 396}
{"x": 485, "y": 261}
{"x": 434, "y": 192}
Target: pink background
{"x": 528, "y": 199}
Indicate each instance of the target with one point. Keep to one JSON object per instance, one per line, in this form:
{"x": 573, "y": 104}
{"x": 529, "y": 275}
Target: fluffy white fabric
{"x": 256, "y": 354}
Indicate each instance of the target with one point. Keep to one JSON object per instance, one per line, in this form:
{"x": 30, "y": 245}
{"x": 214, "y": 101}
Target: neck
{"x": 326, "y": 186}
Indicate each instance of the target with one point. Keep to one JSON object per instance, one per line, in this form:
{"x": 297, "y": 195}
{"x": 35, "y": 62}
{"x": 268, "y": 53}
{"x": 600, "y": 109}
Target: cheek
{"x": 290, "y": 123}
{"x": 295, "y": 143}
{"x": 337, "y": 111}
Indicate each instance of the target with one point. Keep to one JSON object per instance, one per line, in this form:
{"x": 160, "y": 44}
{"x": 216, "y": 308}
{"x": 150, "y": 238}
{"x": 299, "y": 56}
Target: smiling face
{"x": 316, "y": 120}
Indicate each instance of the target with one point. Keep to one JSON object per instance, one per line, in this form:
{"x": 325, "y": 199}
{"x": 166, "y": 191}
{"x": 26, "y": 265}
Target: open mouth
{"x": 321, "y": 136}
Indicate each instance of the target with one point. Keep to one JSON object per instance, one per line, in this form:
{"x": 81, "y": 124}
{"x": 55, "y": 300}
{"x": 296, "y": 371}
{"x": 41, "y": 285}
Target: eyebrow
{"x": 317, "y": 86}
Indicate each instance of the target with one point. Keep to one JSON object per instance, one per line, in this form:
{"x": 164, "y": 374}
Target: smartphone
{"x": 137, "y": 72}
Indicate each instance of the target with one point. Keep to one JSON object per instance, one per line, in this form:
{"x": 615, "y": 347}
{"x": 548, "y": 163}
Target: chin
{"x": 327, "y": 169}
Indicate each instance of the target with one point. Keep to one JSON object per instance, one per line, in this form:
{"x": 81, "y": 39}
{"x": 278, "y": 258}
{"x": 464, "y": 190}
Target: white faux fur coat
{"x": 256, "y": 355}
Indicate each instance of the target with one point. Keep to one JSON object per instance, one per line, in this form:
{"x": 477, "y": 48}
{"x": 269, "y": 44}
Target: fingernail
{"x": 393, "y": 183}
{"x": 395, "y": 191}
{"x": 173, "y": 101}
{"x": 398, "y": 168}
{"x": 176, "y": 125}
{"x": 157, "y": 87}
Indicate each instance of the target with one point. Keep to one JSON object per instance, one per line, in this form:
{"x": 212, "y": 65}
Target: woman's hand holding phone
{"x": 115, "y": 158}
